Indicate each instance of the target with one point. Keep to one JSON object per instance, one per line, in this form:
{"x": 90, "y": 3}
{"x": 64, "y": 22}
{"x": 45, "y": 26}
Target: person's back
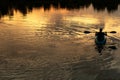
{"x": 100, "y": 35}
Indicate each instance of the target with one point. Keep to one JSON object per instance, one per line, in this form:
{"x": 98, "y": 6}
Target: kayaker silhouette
{"x": 100, "y": 37}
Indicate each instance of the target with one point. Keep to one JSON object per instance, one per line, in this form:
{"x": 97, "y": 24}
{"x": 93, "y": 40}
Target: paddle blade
{"x": 113, "y": 32}
{"x": 87, "y": 32}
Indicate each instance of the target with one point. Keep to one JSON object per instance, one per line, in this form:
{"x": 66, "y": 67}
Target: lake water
{"x": 50, "y": 45}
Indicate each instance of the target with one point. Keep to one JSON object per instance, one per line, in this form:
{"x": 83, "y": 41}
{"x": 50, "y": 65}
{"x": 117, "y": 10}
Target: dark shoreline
{"x": 7, "y": 6}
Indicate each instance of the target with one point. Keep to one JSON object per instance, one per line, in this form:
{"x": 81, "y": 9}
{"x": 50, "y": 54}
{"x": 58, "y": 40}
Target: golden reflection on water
{"x": 40, "y": 18}
{"x": 61, "y": 24}
{"x": 31, "y": 19}
{"x": 112, "y": 24}
{"x": 84, "y": 19}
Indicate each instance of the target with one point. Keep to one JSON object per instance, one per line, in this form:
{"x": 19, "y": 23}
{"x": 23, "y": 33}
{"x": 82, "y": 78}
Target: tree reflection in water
{"x": 25, "y": 6}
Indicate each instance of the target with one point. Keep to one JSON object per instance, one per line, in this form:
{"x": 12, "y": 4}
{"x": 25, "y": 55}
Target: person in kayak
{"x": 100, "y": 36}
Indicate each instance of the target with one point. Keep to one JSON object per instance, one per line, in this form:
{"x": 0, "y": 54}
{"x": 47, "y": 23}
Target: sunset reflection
{"x": 56, "y": 39}
{"x": 112, "y": 23}
{"x": 41, "y": 19}
{"x": 85, "y": 20}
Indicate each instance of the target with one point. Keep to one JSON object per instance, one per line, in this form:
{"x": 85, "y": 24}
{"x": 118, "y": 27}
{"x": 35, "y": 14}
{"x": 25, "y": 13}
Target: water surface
{"x": 50, "y": 44}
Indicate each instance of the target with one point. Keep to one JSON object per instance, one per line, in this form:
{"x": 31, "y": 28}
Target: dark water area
{"x": 25, "y": 6}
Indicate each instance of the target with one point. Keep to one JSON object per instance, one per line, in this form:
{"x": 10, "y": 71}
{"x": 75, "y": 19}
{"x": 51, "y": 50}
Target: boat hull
{"x": 100, "y": 44}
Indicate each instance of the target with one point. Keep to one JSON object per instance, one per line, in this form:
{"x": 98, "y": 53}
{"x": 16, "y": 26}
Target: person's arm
{"x": 96, "y": 33}
{"x": 105, "y": 33}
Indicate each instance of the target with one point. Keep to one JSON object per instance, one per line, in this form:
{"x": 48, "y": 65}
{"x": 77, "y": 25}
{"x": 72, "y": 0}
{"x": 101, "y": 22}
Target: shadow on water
{"x": 24, "y": 6}
{"x": 96, "y": 68}
{"x": 111, "y": 74}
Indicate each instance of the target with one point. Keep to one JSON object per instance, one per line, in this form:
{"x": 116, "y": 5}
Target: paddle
{"x": 87, "y": 32}
{"x": 113, "y": 32}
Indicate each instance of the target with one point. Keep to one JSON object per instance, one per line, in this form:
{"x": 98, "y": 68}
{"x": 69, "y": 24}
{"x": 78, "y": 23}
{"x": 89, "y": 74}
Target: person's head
{"x": 101, "y": 29}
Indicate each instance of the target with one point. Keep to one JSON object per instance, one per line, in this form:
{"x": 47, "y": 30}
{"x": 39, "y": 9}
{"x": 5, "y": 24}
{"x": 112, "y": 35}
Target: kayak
{"x": 100, "y": 39}
{"x": 100, "y": 43}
